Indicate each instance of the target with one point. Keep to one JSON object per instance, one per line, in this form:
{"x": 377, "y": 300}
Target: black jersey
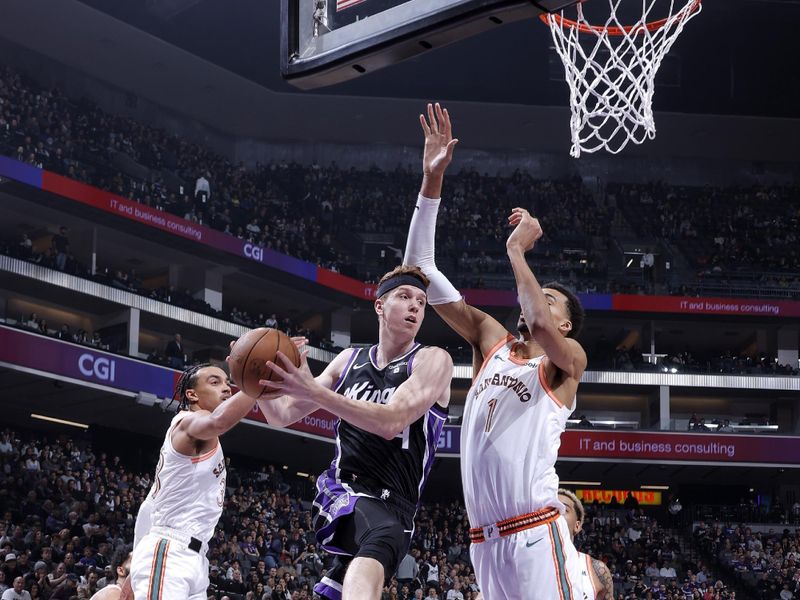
{"x": 369, "y": 463}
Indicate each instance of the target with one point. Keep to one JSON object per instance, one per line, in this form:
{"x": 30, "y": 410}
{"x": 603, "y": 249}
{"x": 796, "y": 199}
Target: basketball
{"x": 250, "y": 354}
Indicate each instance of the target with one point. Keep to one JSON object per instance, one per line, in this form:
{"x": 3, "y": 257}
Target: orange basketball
{"x": 250, "y": 354}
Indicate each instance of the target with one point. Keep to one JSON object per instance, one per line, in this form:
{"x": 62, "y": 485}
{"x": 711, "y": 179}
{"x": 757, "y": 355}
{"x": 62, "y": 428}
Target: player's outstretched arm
{"x": 564, "y": 353}
{"x": 428, "y": 384}
{"x": 281, "y": 408}
{"x": 479, "y": 329}
{"x": 203, "y": 425}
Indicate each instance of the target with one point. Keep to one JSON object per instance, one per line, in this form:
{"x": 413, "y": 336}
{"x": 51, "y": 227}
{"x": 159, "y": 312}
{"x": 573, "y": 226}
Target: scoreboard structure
{"x": 324, "y": 42}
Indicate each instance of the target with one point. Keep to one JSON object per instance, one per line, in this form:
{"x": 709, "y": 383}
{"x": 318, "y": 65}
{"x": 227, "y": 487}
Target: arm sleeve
{"x": 420, "y": 250}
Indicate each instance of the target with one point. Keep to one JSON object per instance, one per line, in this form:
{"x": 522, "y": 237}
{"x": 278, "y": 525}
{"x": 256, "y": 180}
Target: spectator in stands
{"x": 176, "y": 356}
{"x": 17, "y": 592}
{"x": 64, "y": 333}
{"x": 60, "y": 245}
{"x": 202, "y": 189}
{"x": 693, "y": 421}
{"x": 67, "y": 589}
{"x": 408, "y": 570}
{"x": 667, "y": 572}
{"x": 26, "y": 247}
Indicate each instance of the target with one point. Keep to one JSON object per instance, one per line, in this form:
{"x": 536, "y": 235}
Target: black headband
{"x": 397, "y": 281}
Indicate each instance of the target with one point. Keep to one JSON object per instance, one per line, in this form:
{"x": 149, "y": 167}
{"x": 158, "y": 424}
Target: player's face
{"x": 570, "y": 515}
{"x": 558, "y": 310}
{"x": 212, "y": 388}
{"x": 403, "y": 309}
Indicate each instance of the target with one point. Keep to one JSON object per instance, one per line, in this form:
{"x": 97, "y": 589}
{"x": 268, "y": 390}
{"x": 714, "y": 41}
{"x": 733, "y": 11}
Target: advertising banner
{"x": 180, "y": 227}
{"x": 84, "y": 363}
{"x": 680, "y": 447}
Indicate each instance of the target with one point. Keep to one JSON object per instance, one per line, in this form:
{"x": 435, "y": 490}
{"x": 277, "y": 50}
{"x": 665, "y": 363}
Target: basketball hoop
{"x": 611, "y": 69}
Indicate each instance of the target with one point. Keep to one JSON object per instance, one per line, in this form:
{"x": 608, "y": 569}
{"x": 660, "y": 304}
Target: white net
{"x": 611, "y": 70}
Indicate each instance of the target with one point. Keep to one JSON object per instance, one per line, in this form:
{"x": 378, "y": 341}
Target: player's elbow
{"x": 389, "y": 432}
{"x": 391, "y": 428}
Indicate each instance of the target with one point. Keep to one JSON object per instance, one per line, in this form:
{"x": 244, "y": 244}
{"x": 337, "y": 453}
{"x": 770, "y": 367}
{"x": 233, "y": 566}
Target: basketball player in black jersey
{"x": 392, "y": 402}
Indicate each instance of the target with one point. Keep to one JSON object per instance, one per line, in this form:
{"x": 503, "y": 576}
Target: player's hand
{"x": 297, "y": 382}
{"x": 299, "y": 342}
{"x": 526, "y": 230}
{"x": 439, "y": 142}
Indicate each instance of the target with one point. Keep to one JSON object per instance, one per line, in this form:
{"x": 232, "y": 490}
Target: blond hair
{"x": 575, "y": 502}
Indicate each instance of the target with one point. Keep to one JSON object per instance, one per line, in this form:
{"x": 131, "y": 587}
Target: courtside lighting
{"x": 654, "y": 487}
{"x": 59, "y": 421}
{"x": 285, "y": 467}
{"x": 596, "y": 483}
{"x": 630, "y": 262}
{"x": 301, "y": 474}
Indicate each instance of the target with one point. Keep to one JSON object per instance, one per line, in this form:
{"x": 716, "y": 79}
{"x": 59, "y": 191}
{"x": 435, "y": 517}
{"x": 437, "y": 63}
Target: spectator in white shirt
{"x": 17, "y": 592}
{"x": 202, "y": 186}
{"x": 667, "y": 572}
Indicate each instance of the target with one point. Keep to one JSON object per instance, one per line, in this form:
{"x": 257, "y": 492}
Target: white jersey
{"x": 188, "y": 491}
{"x": 587, "y": 582}
{"x": 510, "y": 435}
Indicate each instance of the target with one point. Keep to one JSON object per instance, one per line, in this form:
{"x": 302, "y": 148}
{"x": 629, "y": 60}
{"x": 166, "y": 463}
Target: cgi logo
{"x": 97, "y": 367}
{"x": 254, "y": 252}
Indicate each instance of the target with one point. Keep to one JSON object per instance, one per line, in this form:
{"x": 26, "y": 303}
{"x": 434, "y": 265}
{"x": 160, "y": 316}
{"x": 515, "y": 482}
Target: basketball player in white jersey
{"x": 516, "y": 410}
{"x": 169, "y": 562}
{"x": 597, "y": 581}
{"x": 121, "y": 565}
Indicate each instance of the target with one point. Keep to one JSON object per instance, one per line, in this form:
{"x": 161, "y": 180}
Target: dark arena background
{"x": 173, "y": 174}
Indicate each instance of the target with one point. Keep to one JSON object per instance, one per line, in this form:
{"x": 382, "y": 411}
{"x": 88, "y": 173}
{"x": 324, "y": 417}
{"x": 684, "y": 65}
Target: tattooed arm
{"x": 603, "y": 577}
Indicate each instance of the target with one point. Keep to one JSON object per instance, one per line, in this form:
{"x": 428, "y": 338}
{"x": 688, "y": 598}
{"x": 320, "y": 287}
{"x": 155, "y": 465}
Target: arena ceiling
{"x": 732, "y": 59}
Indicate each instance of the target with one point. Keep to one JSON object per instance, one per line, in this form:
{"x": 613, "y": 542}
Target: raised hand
{"x": 526, "y": 230}
{"x": 439, "y": 142}
{"x": 297, "y": 382}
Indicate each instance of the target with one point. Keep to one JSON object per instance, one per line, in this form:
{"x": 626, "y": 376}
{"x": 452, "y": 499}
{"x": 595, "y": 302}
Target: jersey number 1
{"x": 490, "y": 416}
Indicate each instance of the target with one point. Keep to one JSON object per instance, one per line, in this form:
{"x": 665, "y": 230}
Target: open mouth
{"x": 411, "y": 319}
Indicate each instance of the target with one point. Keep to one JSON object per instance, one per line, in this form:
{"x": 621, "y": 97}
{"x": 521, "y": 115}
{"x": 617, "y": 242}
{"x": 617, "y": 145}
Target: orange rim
{"x": 614, "y": 30}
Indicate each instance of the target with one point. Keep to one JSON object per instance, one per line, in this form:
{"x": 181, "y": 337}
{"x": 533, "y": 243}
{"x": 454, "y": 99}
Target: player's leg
{"x": 491, "y": 561}
{"x": 364, "y": 579}
{"x": 382, "y": 536}
{"x": 198, "y": 578}
{"x": 545, "y": 559}
{"x": 160, "y": 570}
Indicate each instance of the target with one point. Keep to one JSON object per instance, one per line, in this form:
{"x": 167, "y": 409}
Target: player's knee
{"x": 386, "y": 544}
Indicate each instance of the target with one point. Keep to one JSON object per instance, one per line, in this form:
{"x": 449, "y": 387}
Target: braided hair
{"x": 187, "y": 380}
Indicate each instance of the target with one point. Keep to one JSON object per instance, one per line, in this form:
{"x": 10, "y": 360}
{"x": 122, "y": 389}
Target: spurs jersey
{"x": 588, "y": 586}
{"x": 188, "y": 491}
{"x": 510, "y": 436}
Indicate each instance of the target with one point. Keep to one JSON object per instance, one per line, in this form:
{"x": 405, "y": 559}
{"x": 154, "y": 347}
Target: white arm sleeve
{"x": 420, "y": 250}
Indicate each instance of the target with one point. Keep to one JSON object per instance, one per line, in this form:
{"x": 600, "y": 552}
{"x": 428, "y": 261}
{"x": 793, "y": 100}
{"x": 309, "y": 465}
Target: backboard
{"x": 324, "y": 42}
